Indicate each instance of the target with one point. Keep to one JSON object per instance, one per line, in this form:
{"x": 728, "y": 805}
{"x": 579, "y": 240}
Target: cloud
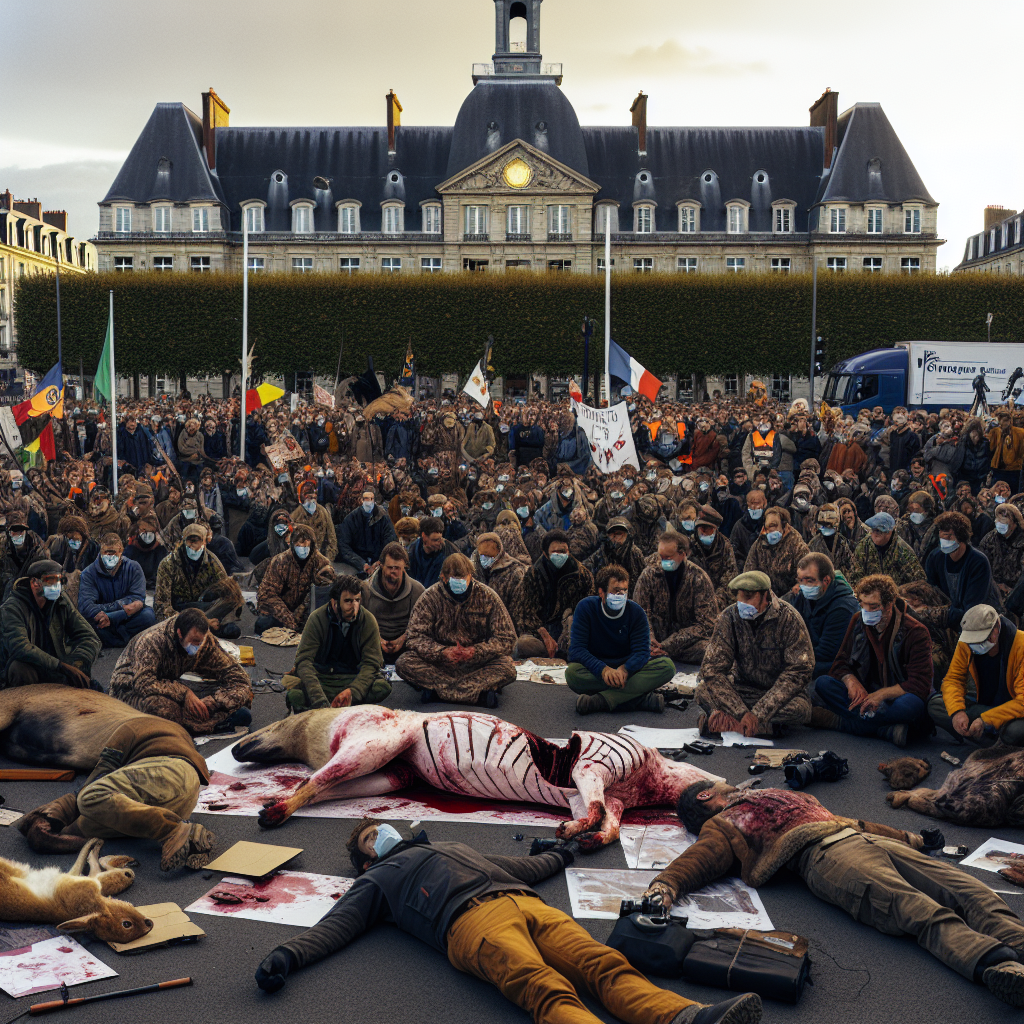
{"x": 672, "y": 59}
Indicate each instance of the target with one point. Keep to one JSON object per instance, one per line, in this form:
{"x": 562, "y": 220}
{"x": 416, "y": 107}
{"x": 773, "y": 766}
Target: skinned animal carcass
{"x": 371, "y": 750}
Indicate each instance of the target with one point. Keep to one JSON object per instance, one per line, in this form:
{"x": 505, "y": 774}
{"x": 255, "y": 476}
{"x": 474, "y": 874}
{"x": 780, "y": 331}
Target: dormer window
{"x": 912, "y": 220}
{"x": 992, "y": 240}
{"x": 1006, "y": 234}
{"x": 200, "y": 219}
{"x": 736, "y": 218}
{"x": 302, "y": 219}
{"x": 970, "y": 248}
{"x": 431, "y": 218}
{"x": 393, "y": 219}
{"x": 689, "y": 218}
{"x": 348, "y": 217}
{"x": 782, "y": 218}
{"x": 837, "y": 220}
{"x": 644, "y": 219}
{"x": 162, "y": 219}
{"x": 874, "y": 220}
{"x": 123, "y": 219}
{"x": 1016, "y": 231}
{"x": 254, "y": 220}
{"x": 606, "y": 219}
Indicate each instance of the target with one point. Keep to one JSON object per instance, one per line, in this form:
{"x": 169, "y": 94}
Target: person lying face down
{"x": 452, "y": 897}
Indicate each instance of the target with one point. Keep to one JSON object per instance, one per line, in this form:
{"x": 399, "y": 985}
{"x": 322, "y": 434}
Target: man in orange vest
{"x": 762, "y": 450}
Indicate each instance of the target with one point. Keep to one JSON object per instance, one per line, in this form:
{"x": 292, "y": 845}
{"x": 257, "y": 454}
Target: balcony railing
{"x": 509, "y": 237}
{"x": 487, "y": 70}
{"x": 470, "y": 237}
{"x": 559, "y": 236}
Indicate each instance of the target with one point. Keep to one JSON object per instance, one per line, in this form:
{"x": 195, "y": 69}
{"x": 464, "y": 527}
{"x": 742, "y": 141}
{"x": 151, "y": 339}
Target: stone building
{"x": 32, "y": 241}
{"x": 999, "y": 248}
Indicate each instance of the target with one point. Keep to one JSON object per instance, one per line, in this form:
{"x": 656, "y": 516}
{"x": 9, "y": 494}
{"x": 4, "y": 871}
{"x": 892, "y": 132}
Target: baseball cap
{"x": 881, "y": 521}
{"x": 977, "y": 624}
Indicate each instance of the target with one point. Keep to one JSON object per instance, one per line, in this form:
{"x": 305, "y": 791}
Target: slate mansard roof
{"x": 757, "y": 165}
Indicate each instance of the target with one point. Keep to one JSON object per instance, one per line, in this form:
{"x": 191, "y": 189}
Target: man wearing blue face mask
{"x": 748, "y": 528}
{"x": 112, "y": 595}
{"x": 362, "y": 536}
{"x": 311, "y": 513}
{"x": 43, "y": 636}
{"x": 714, "y": 554}
{"x": 757, "y": 666}
{"x": 610, "y": 663}
{"x": 283, "y": 597}
{"x": 20, "y": 548}
{"x": 826, "y": 603}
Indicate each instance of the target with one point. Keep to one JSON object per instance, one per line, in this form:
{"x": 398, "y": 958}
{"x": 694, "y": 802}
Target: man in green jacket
{"x": 339, "y": 659}
{"x": 43, "y": 636}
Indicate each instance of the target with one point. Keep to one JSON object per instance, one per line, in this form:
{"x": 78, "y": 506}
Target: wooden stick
{"x": 37, "y": 774}
{"x": 59, "y": 1004}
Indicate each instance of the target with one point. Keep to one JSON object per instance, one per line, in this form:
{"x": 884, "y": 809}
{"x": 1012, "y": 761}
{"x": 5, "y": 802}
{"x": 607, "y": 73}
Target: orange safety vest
{"x": 764, "y": 447}
{"x": 655, "y": 425}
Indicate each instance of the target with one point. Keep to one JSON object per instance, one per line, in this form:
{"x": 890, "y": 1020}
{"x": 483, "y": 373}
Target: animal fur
{"x": 986, "y": 792}
{"x": 397, "y": 399}
{"x": 371, "y": 750}
{"x": 904, "y": 772}
{"x": 74, "y": 902}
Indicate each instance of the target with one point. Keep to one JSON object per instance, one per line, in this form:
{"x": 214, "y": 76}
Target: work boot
{"x": 742, "y": 1009}
{"x": 187, "y": 840}
{"x": 650, "y": 702}
{"x": 895, "y": 734}
{"x": 822, "y": 718}
{"x": 488, "y": 699}
{"x": 428, "y": 696}
{"x": 1006, "y": 982}
{"x": 702, "y": 726}
{"x": 588, "y": 703}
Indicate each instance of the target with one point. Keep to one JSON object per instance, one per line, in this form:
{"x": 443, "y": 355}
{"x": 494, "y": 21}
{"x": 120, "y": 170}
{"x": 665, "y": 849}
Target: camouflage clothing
{"x": 323, "y": 526}
{"x": 147, "y": 676}
{"x": 505, "y": 576}
{"x": 778, "y": 561}
{"x": 921, "y": 538}
{"x": 836, "y": 548}
{"x": 765, "y": 672}
{"x": 898, "y": 561}
{"x": 513, "y": 543}
{"x": 1006, "y": 557}
{"x": 547, "y": 598}
{"x": 719, "y": 562}
{"x": 438, "y": 623}
{"x": 682, "y": 627}
{"x": 285, "y": 587}
{"x": 626, "y": 554}
{"x": 111, "y": 521}
{"x": 179, "y": 580}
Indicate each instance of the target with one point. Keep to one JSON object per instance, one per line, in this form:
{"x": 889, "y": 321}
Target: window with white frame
{"x": 257, "y": 264}
{"x": 558, "y": 222}
{"x": 644, "y": 220}
{"x": 735, "y": 263}
{"x": 162, "y": 219}
{"x": 992, "y": 240}
{"x": 348, "y": 220}
{"x": 1005, "y": 235}
{"x": 394, "y": 217}
{"x": 873, "y": 264}
{"x": 601, "y": 265}
{"x": 643, "y": 264}
{"x": 199, "y": 264}
{"x": 783, "y": 220}
{"x": 910, "y": 264}
{"x": 200, "y": 219}
{"x": 120, "y": 263}
{"x": 517, "y": 221}
{"x": 163, "y": 262}
{"x": 1016, "y": 231}
{"x": 302, "y": 264}
{"x": 874, "y": 220}
{"x": 688, "y": 220}
{"x": 837, "y": 264}
{"x": 122, "y": 219}
{"x": 254, "y": 219}
{"x": 302, "y": 220}
{"x": 476, "y": 221}
{"x": 348, "y": 264}
{"x": 912, "y": 221}
{"x": 686, "y": 264}
{"x": 781, "y": 386}
{"x": 731, "y": 383}
{"x": 430, "y": 264}
{"x": 837, "y": 220}
{"x": 391, "y": 264}
{"x": 781, "y": 264}
{"x": 970, "y": 248}
{"x": 432, "y": 219}
{"x": 736, "y": 224}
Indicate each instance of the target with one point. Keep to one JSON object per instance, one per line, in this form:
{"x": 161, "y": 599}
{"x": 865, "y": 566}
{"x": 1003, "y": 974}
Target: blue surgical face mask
{"x": 755, "y": 513}
{"x": 75, "y": 545}
{"x": 688, "y": 524}
{"x": 499, "y": 488}
{"x": 457, "y": 585}
{"x": 826, "y": 531}
{"x": 282, "y": 478}
{"x": 280, "y": 529}
{"x": 387, "y": 839}
{"x": 747, "y": 611}
{"x": 982, "y": 648}
{"x": 147, "y": 538}
{"x": 51, "y": 592}
{"x": 1000, "y": 499}
{"x": 194, "y": 555}
{"x": 110, "y": 561}
{"x": 1002, "y": 527}
{"x": 406, "y": 509}
{"x": 367, "y": 507}
{"x": 669, "y": 565}
{"x": 523, "y": 512}
{"x": 302, "y": 551}
{"x": 917, "y": 518}
{"x": 871, "y": 618}
{"x": 191, "y": 650}
{"x": 811, "y": 593}
{"x": 487, "y": 505}
{"x": 615, "y": 602}
{"x": 433, "y": 471}
{"x": 558, "y": 558}
{"x": 773, "y": 536}
{"x": 487, "y": 561}
{"x": 18, "y": 539}
{"x": 241, "y": 491}
{"x": 707, "y": 541}
{"x": 309, "y": 506}
{"x": 948, "y": 546}
{"x": 437, "y": 513}
{"x": 188, "y": 513}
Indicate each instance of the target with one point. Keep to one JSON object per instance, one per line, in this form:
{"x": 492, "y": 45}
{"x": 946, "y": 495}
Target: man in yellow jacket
{"x": 982, "y": 695}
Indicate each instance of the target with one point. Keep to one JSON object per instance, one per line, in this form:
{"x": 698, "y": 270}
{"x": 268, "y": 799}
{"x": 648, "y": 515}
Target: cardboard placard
{"x": 253, "y": 860}
{"x": 171, "y": 927}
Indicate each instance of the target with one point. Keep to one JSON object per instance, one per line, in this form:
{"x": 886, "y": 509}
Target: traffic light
{"x": 819, "y": 356}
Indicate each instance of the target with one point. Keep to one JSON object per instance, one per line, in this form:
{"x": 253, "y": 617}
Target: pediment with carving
{"x": 519, "y": 168}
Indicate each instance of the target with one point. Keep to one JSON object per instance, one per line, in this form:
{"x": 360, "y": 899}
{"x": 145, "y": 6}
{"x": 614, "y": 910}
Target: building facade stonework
{"x": 999, "y": 248}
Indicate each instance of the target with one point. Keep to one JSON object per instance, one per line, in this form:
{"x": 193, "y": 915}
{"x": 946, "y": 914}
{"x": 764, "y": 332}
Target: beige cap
{"x": 977, "y": 624}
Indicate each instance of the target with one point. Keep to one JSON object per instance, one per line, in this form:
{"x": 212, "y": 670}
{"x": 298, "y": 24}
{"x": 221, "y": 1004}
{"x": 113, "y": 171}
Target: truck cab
{"x": 878, "y": 377}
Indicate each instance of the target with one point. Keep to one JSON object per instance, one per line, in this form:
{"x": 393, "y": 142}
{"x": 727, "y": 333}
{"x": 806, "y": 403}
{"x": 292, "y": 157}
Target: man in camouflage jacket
{"x": 717, "y": 559}
{"x": 283, "y": 597}
{"x": 894, "y": 558}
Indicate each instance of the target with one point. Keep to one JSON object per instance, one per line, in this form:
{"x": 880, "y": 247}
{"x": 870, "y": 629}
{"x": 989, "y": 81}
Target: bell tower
{"x": 517, "y": 37}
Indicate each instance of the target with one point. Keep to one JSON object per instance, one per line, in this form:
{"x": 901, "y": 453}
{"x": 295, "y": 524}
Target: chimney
{"x": 639, "y": 112}
{"x": 31, "y": 207}
{"x": 996, "y": 215}
{"x": 825, "y": 114}
{"x": 215, "y": 115}
{"x": 57, "y": 219}
{"x": 6, "y": 200}
{"x": 394, "y": 119}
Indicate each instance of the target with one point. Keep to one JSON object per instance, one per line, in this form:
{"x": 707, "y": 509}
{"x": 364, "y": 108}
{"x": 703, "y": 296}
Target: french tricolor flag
{"x": 622, "y": 365}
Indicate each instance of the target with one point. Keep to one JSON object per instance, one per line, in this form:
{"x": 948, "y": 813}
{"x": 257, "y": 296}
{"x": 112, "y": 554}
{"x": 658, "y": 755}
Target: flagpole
{"x": 113, "y": 393}
{"x": 245, "y": 330}
{"x": 60, "y": 358}
{"x": 607, "y": 300}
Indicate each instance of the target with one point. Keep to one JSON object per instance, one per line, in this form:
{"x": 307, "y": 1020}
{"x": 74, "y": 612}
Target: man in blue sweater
{"x": 960, "y": 571}
{"x": 427, "y": 554}
{"x": 610, "y": 663}
{"x": 112, "y": 595}
{"x": 826, "y": 603}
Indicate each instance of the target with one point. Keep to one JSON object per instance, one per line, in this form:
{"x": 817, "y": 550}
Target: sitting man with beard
{"x": 103, "y": 518}
{"x": 879, "y": 875}
{"x": 283, "y": 598}
{"x": 390, "y": 595}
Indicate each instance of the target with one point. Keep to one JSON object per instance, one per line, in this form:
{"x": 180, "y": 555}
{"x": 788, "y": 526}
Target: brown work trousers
{"x": 147, "y": 799}
{"x": 796, "y": 711}
{"x": 538, "y": 957}
{"x": 900, "y": 891}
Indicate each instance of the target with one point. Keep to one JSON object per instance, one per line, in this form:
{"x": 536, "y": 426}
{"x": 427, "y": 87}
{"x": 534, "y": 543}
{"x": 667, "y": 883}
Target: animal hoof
{"x": 273, "y": 816}
{"x": 591, "y": 841}
{"x": 118, "y": 861}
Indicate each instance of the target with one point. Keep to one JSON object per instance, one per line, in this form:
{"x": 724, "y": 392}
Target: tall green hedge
{"x": 191, "y": 323}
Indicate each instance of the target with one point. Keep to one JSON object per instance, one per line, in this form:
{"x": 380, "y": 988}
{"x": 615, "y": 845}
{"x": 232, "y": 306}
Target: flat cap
{"x": 752, "y": 580}
{"x": 709, "y": 517}
{"x": 881, "y": 521}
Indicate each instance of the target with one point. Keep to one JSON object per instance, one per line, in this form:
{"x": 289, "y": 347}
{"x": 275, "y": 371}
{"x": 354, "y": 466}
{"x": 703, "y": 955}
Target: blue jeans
{"x": 832, "y": 693}
{"x": 118, "y": 636}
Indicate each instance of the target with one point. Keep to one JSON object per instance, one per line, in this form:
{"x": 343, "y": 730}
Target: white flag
{"x": 476, "y": 386}
{"x": 609, "y": 434}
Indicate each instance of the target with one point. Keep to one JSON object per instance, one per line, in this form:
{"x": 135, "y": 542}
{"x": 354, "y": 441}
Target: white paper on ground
{"x": 994, "y": 855}
{"x": 653, "y": 846}
{"x": 44, "y": 965}
{"x": 737, "y": 739}
{"x": 596, "y": 894}
{"x": 296, "y": 898}
{"x": 8, "y": 815}
{"x": 671, "y": 738}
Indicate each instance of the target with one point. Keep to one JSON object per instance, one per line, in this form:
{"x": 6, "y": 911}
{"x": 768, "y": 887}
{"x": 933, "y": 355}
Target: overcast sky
{"x": 79, "y": 80}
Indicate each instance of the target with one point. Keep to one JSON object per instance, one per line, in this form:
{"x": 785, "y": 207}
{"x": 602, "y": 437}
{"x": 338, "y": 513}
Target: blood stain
{"x": 237, "y": 786}
{"x": 63, "y": 949}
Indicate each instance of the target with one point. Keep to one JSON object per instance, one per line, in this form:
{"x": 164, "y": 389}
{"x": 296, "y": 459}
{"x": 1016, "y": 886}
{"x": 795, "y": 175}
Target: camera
{"x": 647, "y": 905}
{"x": 826, "y": 767}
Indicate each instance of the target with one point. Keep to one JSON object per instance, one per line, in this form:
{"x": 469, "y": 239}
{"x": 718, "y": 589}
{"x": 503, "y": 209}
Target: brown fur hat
{"x": 905, "y": 772}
